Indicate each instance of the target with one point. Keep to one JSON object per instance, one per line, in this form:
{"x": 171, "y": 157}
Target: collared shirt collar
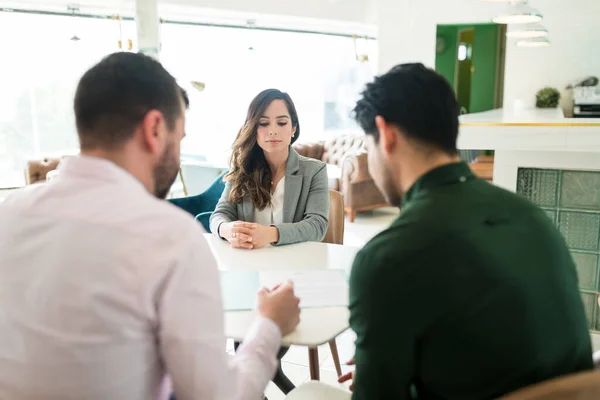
{"x": 96, "y": 168}
{"x": 448, "y": 174}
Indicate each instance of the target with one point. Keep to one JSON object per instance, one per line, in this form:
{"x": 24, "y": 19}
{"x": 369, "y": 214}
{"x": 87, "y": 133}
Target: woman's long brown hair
{"x": 250, "y": 174}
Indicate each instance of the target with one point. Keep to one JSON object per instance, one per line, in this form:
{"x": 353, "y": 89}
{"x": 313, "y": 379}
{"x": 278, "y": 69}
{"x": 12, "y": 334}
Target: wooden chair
{"x": 483, "y": 167}
{"x": 335, "y": 230}
{"x": 334, "y": 235}
{"x": 580, "y": 386}
{"x": 318, "y": 391}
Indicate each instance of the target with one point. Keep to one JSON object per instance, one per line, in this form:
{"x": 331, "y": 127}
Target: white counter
{"x": 535, "y": 138}
{"x": 532, "y": 130}
{"x": 525, "y": 117}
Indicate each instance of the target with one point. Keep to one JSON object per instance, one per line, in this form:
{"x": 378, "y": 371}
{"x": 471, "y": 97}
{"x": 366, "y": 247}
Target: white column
{"x": 148, "y": 27}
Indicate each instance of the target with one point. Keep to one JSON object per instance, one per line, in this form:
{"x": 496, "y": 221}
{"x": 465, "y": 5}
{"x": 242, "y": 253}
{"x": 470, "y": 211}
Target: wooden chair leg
{"x": 336, "y": 357}
{"x": 313, "y": 361}
{"x": 351, "y": 215}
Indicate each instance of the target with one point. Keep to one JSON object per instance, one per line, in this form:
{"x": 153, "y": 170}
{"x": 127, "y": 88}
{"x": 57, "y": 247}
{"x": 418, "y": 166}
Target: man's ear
{"x": 387, "y": 134}
{"x": 153, "y": 130}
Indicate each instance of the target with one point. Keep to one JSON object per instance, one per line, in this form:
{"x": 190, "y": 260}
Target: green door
{"x": 485, "y": 60}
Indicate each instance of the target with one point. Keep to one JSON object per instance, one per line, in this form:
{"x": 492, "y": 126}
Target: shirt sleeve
{"x": 191, "y": 334}
{"x": 385, "y": 355}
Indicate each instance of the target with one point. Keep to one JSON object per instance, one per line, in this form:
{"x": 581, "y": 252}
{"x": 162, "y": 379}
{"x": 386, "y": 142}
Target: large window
{"x": 39, "y": 71}
{"x": 319, "y": 72}
{"x": 41, "y": 66}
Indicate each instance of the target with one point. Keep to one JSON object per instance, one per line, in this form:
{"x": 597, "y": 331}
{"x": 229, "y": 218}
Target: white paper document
{"x": 318, "y": 288}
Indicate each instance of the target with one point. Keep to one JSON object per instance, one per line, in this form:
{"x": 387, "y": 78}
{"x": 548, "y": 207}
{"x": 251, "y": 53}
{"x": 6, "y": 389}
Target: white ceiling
{"x": 358, "y": 11}
{"x": 343, "y": 10}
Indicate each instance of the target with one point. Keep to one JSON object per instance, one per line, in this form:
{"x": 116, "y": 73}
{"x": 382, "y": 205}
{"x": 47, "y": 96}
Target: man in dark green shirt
{"x": 471, "y": 293}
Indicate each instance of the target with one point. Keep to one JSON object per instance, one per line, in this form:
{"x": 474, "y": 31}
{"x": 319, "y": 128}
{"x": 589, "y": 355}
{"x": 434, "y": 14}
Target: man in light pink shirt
{"x": 106, "y": 289}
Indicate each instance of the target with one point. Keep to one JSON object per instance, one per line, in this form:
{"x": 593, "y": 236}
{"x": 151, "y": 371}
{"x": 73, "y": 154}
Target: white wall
{"x": 407, "y": 33}
{"x": 575, "y": 52}
{"x": 407, "y": 27}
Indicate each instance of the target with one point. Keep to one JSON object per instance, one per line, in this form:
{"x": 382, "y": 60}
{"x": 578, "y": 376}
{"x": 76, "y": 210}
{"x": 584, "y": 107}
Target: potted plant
{"x": 547, "y": 98}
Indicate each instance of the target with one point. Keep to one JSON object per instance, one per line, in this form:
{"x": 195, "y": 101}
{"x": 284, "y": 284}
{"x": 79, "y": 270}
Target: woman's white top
{"x": 272, "y": 214}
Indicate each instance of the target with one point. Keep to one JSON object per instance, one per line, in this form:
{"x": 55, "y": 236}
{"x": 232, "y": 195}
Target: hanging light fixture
{"x": 526, "y": 31}
{"x": 74, "y": 8}
{"x": 518, "y": 13}
{"x": 536, "y": 42}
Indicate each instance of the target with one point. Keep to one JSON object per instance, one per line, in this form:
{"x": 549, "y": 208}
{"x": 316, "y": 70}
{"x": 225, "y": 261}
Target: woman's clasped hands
{"x": 248, "y": 235}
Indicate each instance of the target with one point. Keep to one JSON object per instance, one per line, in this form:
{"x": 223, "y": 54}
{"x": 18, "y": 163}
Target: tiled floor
{"x": 368, "y": 224}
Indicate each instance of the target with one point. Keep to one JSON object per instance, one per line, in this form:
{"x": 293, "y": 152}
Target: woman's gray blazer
{"x": 305, "y": 203}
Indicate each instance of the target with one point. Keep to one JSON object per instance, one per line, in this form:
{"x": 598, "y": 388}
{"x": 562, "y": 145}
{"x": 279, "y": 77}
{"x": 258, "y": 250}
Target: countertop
{"x": 525, "y": 117}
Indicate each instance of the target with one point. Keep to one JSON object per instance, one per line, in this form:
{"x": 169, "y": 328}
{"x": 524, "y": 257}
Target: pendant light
{"x": 537, "y": 42}
{"x": 526, "y": 31}
{"x": 518, "y": 13}
{"x": 74, "y": 8}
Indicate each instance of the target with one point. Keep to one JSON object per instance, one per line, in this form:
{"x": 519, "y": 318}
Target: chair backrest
{"x": 335, "y": 230}
{"x": 483, "y": 167}
{"x": 203, "y": 203}
{"x": 580, "y": 386}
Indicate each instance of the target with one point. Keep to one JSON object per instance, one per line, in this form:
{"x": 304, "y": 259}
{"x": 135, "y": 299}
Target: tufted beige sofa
{"x": 348, "y": 172}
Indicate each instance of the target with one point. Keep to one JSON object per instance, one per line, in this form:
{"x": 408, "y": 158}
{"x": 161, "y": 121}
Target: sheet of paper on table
{"x": 319, "y": 288}
{"x": 316, "y": 288}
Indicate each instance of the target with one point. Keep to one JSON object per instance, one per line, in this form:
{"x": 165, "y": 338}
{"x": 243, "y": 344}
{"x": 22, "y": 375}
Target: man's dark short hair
{"x": 113, "y": 97}
{"x": 416, "y": 99}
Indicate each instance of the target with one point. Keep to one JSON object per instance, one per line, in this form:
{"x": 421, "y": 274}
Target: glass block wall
{"x": 572, "y": 200}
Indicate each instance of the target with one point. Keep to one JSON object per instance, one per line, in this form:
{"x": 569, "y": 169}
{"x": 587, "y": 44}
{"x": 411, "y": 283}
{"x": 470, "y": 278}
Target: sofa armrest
{"x": 358, "y": 187}
{"x": 310, "y": 150}
{"x": 355, "y": 168}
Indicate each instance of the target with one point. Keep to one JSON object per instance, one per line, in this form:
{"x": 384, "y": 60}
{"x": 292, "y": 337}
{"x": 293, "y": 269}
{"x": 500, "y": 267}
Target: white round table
{"x": 317, "y": 325}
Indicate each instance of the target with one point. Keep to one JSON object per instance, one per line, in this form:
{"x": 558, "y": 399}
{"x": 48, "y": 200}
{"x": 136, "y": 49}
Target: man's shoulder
{"x": 393, "y": 245}
{"x": 164, "y": 219}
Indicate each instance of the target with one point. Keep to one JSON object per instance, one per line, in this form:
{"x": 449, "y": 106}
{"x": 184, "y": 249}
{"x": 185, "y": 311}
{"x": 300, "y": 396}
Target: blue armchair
{"x": 203, "y": 205}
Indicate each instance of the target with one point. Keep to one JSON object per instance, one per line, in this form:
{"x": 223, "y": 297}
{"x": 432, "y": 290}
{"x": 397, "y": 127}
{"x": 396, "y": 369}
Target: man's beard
{"x": 390, "y": 192}
{"x": 166, "y": 172}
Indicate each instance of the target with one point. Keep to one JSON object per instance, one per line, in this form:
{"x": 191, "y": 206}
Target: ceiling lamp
{"x": 526, "y": 31}
{"x": 537, "y": 42}
{"x": 74, "y": 8}
{"x": 518, "y": 13}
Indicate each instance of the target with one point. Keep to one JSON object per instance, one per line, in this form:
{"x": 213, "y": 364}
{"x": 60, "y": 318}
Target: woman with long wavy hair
{"x": 273, "y": 196}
